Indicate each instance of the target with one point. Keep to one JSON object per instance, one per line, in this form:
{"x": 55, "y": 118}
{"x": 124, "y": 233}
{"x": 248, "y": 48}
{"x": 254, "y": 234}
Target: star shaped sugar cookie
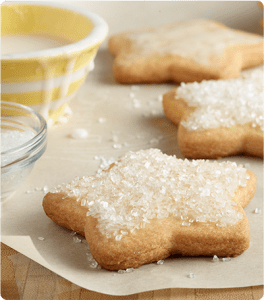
{"x": 218, "y": 118}
{"x": 183, "y": 52}
{"x": 149, "y": 205}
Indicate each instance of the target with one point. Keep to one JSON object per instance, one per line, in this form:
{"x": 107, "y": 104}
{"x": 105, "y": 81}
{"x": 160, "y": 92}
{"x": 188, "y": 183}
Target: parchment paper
{"x": 111, "y": 116}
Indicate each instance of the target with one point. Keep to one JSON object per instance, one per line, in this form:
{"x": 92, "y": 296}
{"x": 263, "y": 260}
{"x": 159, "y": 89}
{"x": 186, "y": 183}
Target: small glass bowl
{"x": 17, "y": 163}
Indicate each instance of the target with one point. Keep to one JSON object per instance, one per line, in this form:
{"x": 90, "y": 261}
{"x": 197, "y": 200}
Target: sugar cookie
{"x": 183, "y": 52}
{"x": 218, "y": 118}
{"x": 149, "y": 206}
{"x": 261, "y": 23}
{"x": 65, "y": 207}
{"x": 65, "y": 210}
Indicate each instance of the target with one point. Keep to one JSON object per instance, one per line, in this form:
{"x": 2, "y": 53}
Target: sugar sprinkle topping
{"x": 224, "y": 259}
{"x": 224, "y": 102}
{"x": 257, "y": 210}
{"x": 148, "y": 184}
{"x": 79, "y": 133}
{"x": 215, "y": 258}
{"x": 191, "y": 275}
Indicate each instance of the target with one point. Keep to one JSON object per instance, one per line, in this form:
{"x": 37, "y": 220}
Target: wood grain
{"x": 37, "y": 284}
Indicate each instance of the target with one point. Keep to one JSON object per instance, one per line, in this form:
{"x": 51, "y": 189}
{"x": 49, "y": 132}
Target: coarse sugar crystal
{"x": 130, "y": 270}
{"x": 30, "y": 191}
{"x": 102, "y": 120}
{"x": 215, "y": 258}
{"x": 93, "y": 265}
{"x": 186, "y": 224}
{"x": 45, "y": 189}
{"x": 224, "y": 103}
{"x": 148, "y": 184}
{"x": 91, "y": 261}
{"x": 76, "y": 240}
{"x": 79, "y": 133}
{"x": 13, "y": 138}
{"x": 160, "y": 98}
{"x": 105, "y": 162}
{"x": 117, "y": 146}
{"x": 136, "y": 103}
{"x": 224, "y": 259}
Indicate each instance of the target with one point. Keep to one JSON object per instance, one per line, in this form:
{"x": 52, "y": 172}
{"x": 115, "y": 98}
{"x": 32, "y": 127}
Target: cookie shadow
{"x": 166, "y": 134}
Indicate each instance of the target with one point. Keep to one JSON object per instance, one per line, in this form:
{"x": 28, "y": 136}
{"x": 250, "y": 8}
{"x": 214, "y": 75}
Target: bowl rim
{"x": 96, "y": 35}
{"x": 33, "y": 143}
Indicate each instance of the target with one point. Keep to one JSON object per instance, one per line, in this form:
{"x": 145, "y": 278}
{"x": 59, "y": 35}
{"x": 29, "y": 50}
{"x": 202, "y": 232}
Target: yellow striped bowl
{"x": 48, "y": 79}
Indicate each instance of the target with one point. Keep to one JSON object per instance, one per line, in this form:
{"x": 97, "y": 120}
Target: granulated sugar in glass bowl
{"x": 23, "y": 141}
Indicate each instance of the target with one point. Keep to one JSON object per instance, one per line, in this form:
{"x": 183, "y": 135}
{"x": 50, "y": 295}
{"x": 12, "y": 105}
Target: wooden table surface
{"x": 40, "y": 287}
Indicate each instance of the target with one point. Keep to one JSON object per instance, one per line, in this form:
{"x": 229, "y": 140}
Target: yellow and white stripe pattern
{"x": 48, "y": 79}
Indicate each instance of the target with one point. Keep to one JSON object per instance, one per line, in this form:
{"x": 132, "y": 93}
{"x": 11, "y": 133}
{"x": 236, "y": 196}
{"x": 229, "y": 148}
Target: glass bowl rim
{"x": 32, "y": 144}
